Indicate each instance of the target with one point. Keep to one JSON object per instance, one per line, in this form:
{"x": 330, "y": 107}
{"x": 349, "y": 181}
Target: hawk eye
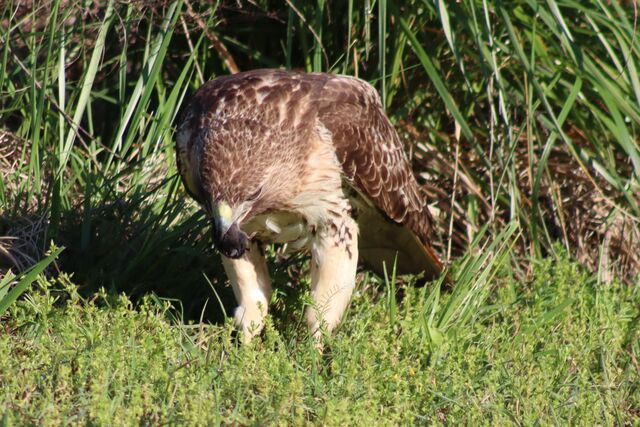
{"x": 255, "y": 195}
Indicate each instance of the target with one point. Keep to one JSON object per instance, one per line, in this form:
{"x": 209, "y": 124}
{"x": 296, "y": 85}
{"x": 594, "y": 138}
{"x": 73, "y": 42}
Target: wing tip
{"x": 435, "y": 268}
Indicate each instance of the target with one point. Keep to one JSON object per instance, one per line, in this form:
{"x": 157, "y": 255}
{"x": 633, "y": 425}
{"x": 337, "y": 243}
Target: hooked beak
{"x": 227, "y": 236}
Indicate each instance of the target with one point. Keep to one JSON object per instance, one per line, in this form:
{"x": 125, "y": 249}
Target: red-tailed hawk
{"x": 310, "y": 160}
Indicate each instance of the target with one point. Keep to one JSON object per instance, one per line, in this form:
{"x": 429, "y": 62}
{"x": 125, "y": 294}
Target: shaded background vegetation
{"x": 525, "y": 111}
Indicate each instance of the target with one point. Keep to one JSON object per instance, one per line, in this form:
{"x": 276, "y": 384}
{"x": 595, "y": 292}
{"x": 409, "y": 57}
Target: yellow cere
{"x": 224, "y": 211}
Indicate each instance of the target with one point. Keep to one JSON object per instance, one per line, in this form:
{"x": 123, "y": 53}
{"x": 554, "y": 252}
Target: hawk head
{"x": 233, "y": 200}
{"x": 244, "y": 174}
{"x": 243, "y": 150}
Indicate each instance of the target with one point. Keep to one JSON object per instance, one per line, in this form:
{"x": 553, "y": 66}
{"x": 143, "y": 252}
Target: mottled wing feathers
{"x": 372, "y": 154}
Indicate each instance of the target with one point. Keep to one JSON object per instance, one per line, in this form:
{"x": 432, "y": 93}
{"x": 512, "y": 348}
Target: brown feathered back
{"x": 250, "y": 119}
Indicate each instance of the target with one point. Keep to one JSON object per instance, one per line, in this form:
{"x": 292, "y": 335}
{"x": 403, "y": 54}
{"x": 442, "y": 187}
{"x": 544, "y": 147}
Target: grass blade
{"x": 25, "y": 280}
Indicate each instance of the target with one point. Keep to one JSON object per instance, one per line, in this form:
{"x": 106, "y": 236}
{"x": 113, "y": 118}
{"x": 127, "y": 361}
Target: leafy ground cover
{"x": 520, "y": 118}
{"x": 562, "y": 348}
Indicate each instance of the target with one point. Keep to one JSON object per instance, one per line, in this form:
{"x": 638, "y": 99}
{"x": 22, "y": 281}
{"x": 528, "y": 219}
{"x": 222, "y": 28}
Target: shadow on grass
{"x": 149, "y": 238}
{"x": 147, "y": 242}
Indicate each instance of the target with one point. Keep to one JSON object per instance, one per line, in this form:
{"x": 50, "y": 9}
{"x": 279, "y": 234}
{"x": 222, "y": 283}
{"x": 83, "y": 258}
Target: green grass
{"x": 561, "y": 349}
{"x": 520, "y": 116}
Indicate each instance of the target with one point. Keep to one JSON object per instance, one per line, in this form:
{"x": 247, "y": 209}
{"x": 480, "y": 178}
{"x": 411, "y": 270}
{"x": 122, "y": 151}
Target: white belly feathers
{"x": 279, "y": 227}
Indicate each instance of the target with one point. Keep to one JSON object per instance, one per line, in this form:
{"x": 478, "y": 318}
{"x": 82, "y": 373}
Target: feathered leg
{"x": 333, "y": 273}
{"x": 251, "y": 285}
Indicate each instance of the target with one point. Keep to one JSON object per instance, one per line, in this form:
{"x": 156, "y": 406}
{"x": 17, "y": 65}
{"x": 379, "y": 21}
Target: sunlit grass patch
{"x": 559, "y": 349}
